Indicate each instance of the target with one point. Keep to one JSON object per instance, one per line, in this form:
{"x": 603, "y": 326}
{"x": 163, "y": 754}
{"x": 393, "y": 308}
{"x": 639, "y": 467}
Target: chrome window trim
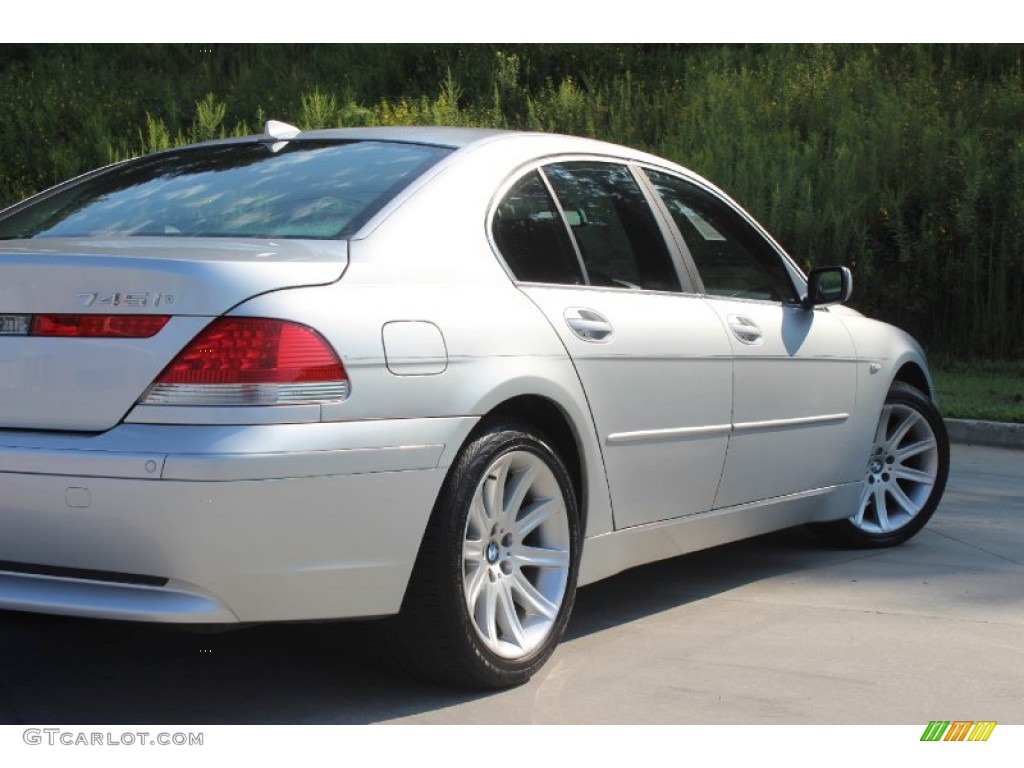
{"x": 687, "y": 285}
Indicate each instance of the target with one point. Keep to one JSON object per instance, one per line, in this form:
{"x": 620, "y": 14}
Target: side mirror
{"x": 828, "y": 285}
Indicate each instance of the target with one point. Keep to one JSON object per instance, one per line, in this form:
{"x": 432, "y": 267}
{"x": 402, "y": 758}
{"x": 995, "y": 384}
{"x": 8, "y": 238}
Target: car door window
{"x": 614, "y": 227}
{"x": 731, "y": 256}
{"x": 532, "y": 237}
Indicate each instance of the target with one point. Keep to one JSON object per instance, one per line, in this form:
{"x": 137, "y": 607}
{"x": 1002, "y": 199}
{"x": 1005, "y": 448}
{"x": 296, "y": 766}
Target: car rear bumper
{"x": 284, "y": 522}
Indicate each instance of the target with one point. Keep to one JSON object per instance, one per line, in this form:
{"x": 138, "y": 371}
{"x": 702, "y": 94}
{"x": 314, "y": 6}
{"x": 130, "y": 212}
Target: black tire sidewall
{"x": 442, "y": 549}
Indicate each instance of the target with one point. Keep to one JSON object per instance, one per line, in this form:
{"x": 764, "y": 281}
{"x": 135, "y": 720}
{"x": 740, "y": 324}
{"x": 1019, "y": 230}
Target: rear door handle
{"x": 588, "y": 325}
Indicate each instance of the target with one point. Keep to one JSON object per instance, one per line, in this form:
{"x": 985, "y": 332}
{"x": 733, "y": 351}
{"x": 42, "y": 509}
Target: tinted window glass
{"x": 614, "y": 227}
{"x": 732, "y": 257}
{"x": 304, "y": 190}
{"x": 532, "y": 237}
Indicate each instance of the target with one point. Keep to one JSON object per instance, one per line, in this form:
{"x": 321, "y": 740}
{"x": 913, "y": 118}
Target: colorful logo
{"x": 958, "y": 730}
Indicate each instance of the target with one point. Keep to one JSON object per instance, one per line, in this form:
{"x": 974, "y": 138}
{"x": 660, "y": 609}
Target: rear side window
{"x": 315, "y": 190}
{"x": 532, "y": 236}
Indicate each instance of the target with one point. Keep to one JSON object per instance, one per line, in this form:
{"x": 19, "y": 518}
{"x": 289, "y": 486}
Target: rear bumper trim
{"x": 114, "y": 577}
{"x": 93, "y": 599}
{"x": 219, "y": 466}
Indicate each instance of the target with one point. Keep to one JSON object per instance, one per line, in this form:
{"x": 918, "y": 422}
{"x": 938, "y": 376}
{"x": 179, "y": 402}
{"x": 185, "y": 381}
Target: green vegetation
{"x": 992, "y": 391}
{"x": 904, "y": 162}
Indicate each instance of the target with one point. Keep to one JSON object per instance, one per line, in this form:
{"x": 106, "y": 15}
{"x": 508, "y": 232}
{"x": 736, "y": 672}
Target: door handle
{"x": 745, "y": 330}
{"x": 588, "y": 325}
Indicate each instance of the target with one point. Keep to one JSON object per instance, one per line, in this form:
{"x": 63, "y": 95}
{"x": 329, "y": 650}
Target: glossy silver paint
{"x": 697, "y": 420}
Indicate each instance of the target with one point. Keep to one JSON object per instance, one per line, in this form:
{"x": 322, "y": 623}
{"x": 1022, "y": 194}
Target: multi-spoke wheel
{"x": 495, "y": 580}
{"x": 516, "y": 553}
{"x": 904, "y": 475}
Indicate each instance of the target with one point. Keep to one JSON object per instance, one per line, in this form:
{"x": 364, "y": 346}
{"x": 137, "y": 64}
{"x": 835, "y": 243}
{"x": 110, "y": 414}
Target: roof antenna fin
{"x": 275, "y": 129}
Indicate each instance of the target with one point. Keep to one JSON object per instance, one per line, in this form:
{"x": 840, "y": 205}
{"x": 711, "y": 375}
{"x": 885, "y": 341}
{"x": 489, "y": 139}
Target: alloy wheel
{"x": 516, "y": 554}
{"x": 901, "y": 471}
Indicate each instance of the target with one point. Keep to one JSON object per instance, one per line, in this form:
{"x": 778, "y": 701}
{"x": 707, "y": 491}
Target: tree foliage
{"x": 903, "y": 162}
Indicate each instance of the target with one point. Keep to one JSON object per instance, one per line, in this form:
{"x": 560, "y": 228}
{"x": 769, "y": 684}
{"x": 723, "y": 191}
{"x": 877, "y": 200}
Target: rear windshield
{"x": 317, "y": 190}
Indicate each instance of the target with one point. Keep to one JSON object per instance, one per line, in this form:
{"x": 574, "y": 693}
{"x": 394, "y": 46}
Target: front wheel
{"x": 904, "y": 477}
{"x": 495, "y": 579}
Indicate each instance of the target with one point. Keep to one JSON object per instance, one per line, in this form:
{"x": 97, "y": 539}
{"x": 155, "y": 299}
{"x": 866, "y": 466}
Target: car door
{"x": 794, "y": 375}
{"x": 653, "y": 359}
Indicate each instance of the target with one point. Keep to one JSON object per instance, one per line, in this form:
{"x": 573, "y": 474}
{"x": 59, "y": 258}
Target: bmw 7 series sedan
{"x": 439, "y": 376}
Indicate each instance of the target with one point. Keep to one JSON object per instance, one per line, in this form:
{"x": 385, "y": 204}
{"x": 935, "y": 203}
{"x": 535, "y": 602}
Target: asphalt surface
{"x": 778, "y": 629}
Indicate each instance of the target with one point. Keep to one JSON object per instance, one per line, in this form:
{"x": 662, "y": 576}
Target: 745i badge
{"x": 124, "y": 299}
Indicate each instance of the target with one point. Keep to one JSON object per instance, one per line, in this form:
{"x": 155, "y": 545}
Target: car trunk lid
{"x": 90, "y": 383}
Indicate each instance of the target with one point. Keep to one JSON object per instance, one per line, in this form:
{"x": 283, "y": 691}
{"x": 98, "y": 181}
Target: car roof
{"x": 458, "y": 138}
{"x": 440, "y": 135}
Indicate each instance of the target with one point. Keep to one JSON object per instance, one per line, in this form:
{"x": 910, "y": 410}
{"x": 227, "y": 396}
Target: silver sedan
{"x": 433, "y": 374}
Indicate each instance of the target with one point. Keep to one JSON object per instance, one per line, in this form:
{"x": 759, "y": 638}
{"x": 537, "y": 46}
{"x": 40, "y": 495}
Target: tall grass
{"x": 904, "y": 162}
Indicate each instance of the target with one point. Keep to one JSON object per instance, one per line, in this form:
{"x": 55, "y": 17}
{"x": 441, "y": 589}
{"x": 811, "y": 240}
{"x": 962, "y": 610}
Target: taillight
{"x": 97, "y": 326}
{"x": 251, "y": 361}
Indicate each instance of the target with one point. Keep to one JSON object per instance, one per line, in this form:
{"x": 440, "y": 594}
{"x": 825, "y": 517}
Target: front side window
{"x": 732, "y": 257}
{"x": 306, "y": 189}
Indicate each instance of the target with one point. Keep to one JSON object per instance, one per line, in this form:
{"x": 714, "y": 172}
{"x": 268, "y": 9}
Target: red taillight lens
{"x": 254, "y": 351}
{"x": 98, "y": 326}
{"x": 251, "y": 361}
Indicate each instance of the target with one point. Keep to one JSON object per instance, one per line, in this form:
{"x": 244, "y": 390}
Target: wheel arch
{"x": 913, "y": 374}
{"x": 551, "y": 421}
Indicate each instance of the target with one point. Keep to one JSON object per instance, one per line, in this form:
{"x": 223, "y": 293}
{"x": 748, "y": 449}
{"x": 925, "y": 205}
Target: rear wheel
{"x": 904, "y": 476}
{"x": 495, "y": 579}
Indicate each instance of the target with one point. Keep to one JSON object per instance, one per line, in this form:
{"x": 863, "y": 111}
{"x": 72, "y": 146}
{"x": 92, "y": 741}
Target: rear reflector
{"x": 251, "y": 361}
{"x": 91, "y": 326}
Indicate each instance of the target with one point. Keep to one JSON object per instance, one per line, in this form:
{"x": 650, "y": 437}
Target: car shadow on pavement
{"x": 77, "y": 671}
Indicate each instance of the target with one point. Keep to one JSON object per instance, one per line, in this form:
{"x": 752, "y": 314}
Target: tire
{"x": 495, "y": 579}
{"x": 905, "y": 474}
